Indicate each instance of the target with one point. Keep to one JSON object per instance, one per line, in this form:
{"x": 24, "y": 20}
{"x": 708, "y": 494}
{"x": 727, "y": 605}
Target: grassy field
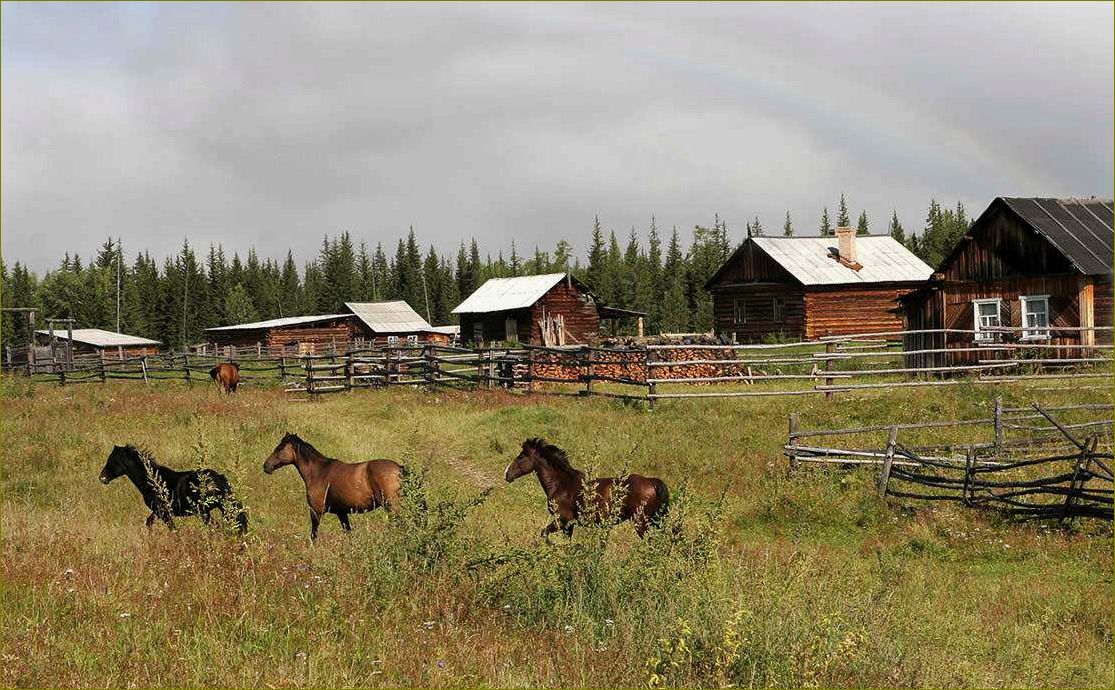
{"x": 759, "y": 578}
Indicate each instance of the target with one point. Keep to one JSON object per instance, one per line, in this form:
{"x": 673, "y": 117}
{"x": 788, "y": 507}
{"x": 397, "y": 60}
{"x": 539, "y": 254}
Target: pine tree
{"x": 826, "y": 224}
{"x": 238, "y": 305}
{"x": 597, "y": 259}
{"x": 895, "y": 228}
{"x": 515, "y": 264}
{"x": 364, "y": 276}
{"x": 756, "y": 228}
{"x": 843, "y": 220}
{"x": 788, "y": 226}
{"x": 654, "y": 278}
{"x": 862, "y": 227}
{"x": 562, "y": 253}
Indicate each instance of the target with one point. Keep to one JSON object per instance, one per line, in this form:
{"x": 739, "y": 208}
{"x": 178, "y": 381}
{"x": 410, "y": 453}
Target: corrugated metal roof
{"x": 501, "y": 294}
{"x": 101, "y": 338}
{"x": 810, "y": 260}
{"x": 1081, "y": 229}
{"x": 278, "y": 323}
{"x": 389, "y": 317}
{"x": 452, "y": 329}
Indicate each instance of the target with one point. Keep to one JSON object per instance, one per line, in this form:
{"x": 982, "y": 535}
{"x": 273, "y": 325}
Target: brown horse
{"x": 645, "y": 500}
{"x": 337, "y": 487}
{"x": 227, "y": 376}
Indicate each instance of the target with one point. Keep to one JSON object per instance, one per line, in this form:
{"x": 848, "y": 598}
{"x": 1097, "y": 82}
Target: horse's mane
{"x": 140, "y": 455}
{"x": 553, "y": 455}
{"x": 304, "y": 447}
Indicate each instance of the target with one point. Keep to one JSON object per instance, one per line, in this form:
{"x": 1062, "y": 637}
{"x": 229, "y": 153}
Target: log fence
{"x": 1047, "y": 471}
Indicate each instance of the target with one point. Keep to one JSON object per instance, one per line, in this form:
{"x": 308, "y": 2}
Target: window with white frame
{"x": 778, "y": 309}
{"x": 739, "y": 311}
{"x": 986, "y": 316}
{"x": 412, "y": 340}
{"x": 392, "y": 340}
{"x": 1035, "y": 315}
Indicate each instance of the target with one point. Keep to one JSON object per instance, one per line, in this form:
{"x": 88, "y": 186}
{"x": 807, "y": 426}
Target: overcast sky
{"x": 271, "y": 125}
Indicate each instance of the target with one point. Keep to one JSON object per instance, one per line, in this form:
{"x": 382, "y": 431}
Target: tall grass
{"x": 755, "y": 578}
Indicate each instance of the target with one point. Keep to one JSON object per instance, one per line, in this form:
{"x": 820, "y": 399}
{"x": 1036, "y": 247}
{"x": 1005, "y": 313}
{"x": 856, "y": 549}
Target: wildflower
{"x": 441, "y": 663}
{"x": 569, "y": 630}
{"x": 429, "y": 625}
{"x": 609, "y": 622}
{"x": 125, "y": 614}
{"x": 68, "y": 572}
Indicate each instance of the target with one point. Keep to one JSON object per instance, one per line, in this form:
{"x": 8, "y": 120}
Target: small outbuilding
{"x": 291, "y": 335}
{"x": 107, "y": 344}
{"x": 1040, "y": 265}
{"x": 550, "y": 309}
{"x": 802, "y": 288}
{"x": 391, "y": 323}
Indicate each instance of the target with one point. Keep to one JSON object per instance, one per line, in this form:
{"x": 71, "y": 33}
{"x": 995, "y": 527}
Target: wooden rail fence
{"x": 1051, "y": 469}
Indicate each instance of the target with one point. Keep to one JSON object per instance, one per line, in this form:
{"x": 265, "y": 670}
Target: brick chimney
{"x": 846, "y": 245}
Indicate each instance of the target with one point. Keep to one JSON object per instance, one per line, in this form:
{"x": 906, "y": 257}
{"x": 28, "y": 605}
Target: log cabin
{"x": 552, "y": 309}
{"x": 1028, "y": 263}
{"x": 802, "y": 288}
{"x": 107, "y": 344}
{"x": 392, "y": 323}
{"x": 291, "y": 335}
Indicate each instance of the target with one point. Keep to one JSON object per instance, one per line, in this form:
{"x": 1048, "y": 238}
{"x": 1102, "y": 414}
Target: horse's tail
{"x": 663, "y": 494}
{"x": 213, "y": 373}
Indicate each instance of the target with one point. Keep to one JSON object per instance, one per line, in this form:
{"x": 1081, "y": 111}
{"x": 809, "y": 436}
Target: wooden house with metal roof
{"x": 553, "y": 309}
{"x": 100, "y": 342}
{"x": 1042, "y": 266}
{"x": 392, "y": 323}
{"x": 807, "y": 287}
{"x": 291, "y": 335}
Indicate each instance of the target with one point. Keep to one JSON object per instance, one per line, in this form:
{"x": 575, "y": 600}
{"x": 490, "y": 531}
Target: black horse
{"x": 170, "y": 493}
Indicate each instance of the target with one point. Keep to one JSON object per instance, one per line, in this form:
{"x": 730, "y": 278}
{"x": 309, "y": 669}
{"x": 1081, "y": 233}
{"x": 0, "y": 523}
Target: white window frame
{"x": 412, "y": 339}
{"x": 777, "y": 310}
{"x": 982, "y": 336}
{"x": 1042, "y": 334}
{"x": 392, "y": 341}
{"x": 739, "y": 311}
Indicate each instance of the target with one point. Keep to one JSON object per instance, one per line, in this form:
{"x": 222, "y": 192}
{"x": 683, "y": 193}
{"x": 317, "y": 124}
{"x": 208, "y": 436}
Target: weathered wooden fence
{"x": 651, "y": 372}
{"x": 1049, "y": 469}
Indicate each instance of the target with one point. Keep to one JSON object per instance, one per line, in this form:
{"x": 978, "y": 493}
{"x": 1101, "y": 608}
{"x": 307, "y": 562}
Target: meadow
{"x": 759, "y": 577}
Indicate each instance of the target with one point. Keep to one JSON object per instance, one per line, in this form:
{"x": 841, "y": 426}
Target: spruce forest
{"x": 174, "y": 300}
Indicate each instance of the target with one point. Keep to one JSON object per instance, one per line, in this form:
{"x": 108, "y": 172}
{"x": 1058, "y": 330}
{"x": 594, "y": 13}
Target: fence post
{"x": 888, "y": 460}
{"x": 186, "y": 366}
{"x": 589, "y": 372}
{"x": 793, "y": 441}
{"x": 349, "y": 367}
{"x": 282, "y": 369}
{"x": 530, "y": 371}
{"x": 830, "y": 348}
{"x": 143, "y": 366}
{"x": 491, "y": 366}
{"x": 652, "y": 387}
{"x": 966, "y": 491}
{"x": 998, "y": 423}
{"x": 309, "y": 376}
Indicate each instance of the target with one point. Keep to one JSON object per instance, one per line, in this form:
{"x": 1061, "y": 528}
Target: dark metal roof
{"x": 1081, "y": 229}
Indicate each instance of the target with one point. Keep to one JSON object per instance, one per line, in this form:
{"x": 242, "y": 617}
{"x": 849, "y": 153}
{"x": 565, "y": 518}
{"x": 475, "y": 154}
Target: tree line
{"x": 175, "y": 300}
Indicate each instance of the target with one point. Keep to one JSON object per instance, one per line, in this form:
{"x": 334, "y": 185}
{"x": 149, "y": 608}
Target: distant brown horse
{"x": 337, "y": 487}
{"x": 227, "y": 376}
{"x": 645, "y": 501}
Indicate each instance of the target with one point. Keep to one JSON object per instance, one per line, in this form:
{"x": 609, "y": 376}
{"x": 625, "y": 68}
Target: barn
{"x": 806, "y": 287}
{"x": 391, "y": 323}
{"x": 1025, "y": 262}
{"x": 107, "y": 344}
{"x": 291, "y": 335}
{"x": 549, "y": 309}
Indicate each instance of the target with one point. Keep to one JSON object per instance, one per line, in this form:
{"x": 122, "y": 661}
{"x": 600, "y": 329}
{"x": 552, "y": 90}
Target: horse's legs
{"x": 549, "y": 529}
{"x": 567, "y": 528}
{"x": 343, "y": 517}
{"x": 150, "y": 520}
{"x": 314, "y": 520}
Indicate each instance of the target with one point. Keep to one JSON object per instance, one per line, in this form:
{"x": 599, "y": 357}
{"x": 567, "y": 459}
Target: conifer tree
{"x": 826, "y": 224}
{"x": 843, "y": 220}
{"x": 788, "y": 226}
{"x": 862, "y": 227}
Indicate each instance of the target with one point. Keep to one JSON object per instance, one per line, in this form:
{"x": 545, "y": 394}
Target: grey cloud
{"x": 269, "y": 125}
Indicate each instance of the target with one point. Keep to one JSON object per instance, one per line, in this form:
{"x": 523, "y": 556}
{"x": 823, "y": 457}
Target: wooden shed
{"x": 1029, "y": 263}
{"x": 550, "y": 309}
{"x": 807, "y": 287}
{"x": 292, "y": 335}
{"x": 107, "y": 344}
{"x": 391, "y": 323}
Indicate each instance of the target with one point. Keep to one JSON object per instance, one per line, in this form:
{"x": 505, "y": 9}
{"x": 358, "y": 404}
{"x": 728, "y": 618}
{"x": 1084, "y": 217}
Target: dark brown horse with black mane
{"x": 337, "y": 487}
{"x": 227, "y": 376}
{"x": 644, "y": 501}
{"x": 172, "y": 493}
